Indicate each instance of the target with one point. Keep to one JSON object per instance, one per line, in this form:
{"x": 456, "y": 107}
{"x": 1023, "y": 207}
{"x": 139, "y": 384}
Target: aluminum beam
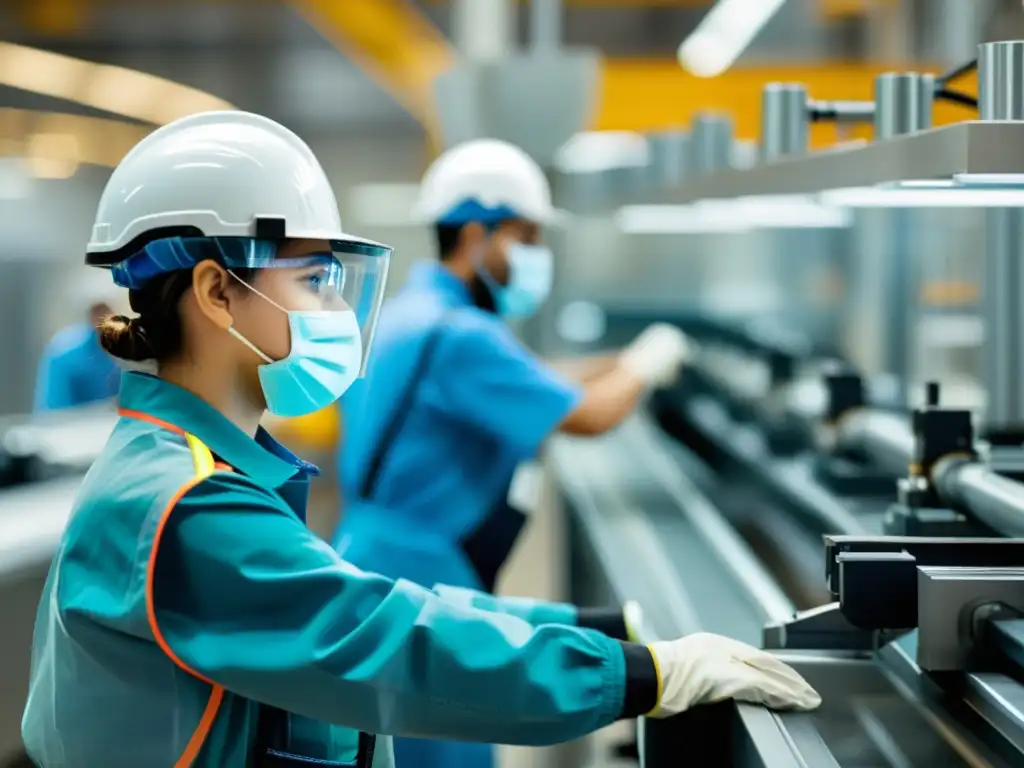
{"x": 971, "y": 147}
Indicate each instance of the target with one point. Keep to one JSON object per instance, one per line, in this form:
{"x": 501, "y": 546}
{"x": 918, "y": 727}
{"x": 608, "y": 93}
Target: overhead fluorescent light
{"x": 117, "y": 90}
{"x": 723, "y": 34}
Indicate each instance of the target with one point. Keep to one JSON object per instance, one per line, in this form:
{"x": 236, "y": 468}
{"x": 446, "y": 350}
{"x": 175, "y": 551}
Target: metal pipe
{"x": 994, "y": 500}
{"x": 784, "y": 120}
{"x": 885, "y": 438}
{"x": 842, "y": 111}
{"x": 546, "y": 24}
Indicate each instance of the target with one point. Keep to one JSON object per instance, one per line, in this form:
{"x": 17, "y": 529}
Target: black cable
{"x": 956, "y": 73}
{"x": 956, "y": 97}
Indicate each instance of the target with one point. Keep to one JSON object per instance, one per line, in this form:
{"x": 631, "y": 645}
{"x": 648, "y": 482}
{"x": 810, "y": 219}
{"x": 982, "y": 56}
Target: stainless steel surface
{"x": 711, "y": 139}
{"x": 903, "y": 103}
{"x": 784, "y": 120}
{"x": 868, "y": 721}
{"x": 976, "y": 147}
{"x": 946, "y": 598}
{"x": 633, "y": 493}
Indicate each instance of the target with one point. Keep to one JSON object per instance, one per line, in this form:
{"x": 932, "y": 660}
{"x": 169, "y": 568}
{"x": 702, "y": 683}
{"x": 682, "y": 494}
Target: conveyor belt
{"x": 635, "y": 505}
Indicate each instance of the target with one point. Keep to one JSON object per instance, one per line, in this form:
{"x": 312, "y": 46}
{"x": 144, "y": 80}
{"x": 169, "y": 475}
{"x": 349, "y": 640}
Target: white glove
{"x": 655, "y": 356}
{"x": 703, "y": 668}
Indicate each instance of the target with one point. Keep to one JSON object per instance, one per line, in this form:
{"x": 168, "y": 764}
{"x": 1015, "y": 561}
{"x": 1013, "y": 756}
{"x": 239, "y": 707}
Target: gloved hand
{"x": 703, "y": 668}
{"x": 656, "y": 355}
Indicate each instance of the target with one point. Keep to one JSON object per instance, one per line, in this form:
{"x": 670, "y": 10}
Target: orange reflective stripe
{"x": 151, "y": 419}
{"x": 195, "y": 744}
{"x": 204, "y": 467}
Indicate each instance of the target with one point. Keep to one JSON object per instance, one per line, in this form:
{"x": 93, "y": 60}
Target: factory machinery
{"x": 853, "y": 511}
{"x": 857, "y": 514}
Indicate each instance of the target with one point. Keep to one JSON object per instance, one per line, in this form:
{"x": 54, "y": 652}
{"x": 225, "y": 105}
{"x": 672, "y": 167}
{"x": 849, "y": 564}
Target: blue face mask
{"x": 531, "y": 273}
{"x": 324, "y": 360}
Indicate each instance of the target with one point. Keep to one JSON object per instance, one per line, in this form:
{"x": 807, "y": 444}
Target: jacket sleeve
{"x": 608, "y": 621}
{"x": 536, "y": 612}
{"x": 53, "y": 385}
{"x": 247, "y": 597}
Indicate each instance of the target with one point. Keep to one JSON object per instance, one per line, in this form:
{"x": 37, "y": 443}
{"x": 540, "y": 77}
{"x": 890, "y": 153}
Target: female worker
{"x": 190, "y": 618}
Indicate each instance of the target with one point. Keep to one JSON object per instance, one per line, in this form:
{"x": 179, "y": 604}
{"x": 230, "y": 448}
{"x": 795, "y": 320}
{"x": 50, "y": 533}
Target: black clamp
{"x": 845, "y": 392}
{"x": 939, "y": 434}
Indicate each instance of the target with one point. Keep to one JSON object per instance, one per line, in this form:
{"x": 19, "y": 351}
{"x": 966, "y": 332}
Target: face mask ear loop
{"x": 242, "y": 338}
{"x": 249, "y": 344}
{"x": 258, "y": 293}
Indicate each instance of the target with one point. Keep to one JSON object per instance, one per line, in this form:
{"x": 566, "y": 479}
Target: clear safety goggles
{"x": 351, "y": 275}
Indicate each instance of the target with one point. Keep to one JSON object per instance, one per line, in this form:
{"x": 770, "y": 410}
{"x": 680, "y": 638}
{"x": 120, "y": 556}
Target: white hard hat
{"x": 484, "y": 176}
{"x": 215, "y": 174}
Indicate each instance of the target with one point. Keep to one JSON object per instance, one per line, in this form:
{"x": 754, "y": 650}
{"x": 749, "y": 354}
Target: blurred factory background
{"x": 355, "y": 80}
{"x": 646, "y": 113}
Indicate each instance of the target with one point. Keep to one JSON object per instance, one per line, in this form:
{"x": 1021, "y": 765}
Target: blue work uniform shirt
{"x": 187, "y": 592}
{"x": 484, "y": 404}
{"x": 75, "y": 370}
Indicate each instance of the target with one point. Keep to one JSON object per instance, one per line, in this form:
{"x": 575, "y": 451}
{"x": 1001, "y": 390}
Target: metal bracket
{"x": 904, "y": 520}
{"x": 952, "y": 602}
{"x": 823, "y": 628}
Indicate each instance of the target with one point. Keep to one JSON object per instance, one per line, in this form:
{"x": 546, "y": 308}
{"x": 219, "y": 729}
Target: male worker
{"x": 457, "y": 402}
{"x": 74, "y": 369}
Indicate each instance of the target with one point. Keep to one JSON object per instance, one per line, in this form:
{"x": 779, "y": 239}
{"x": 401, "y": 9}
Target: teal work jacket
{"x": 190, "y": 618}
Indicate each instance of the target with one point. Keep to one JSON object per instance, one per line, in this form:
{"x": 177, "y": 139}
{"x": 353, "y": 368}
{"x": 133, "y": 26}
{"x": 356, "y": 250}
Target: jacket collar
{"x": 264, "y": 459}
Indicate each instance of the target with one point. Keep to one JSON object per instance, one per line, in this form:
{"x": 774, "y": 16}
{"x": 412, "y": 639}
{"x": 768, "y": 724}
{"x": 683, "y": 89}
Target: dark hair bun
{"x": 125, "y": 338}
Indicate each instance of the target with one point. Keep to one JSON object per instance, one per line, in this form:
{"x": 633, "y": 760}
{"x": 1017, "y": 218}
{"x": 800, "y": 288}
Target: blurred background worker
{"x": 455, "y": 401}
{"x": 74, "y": 369}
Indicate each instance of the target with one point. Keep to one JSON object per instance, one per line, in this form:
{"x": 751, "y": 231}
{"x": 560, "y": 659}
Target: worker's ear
{"x": 212, "y": 288}
{"x": 472, "y": 236}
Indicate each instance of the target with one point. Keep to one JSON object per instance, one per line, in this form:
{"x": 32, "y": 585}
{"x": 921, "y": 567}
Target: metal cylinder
{"x": 886, "y": 438}
{"x": 1001, "y": 80}
{"x": 1002, "y": 352}
{"x": 903, "y": 103}
{"x": 546, "y": 24}
{"x": 996, "y": 501}
{"x": 784, "y": 120}
{"x": 988, "y": 87}
{"x": 669, "y": 151}
{"x": 483, "y": 30}
{"x": 710, "y": 144}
